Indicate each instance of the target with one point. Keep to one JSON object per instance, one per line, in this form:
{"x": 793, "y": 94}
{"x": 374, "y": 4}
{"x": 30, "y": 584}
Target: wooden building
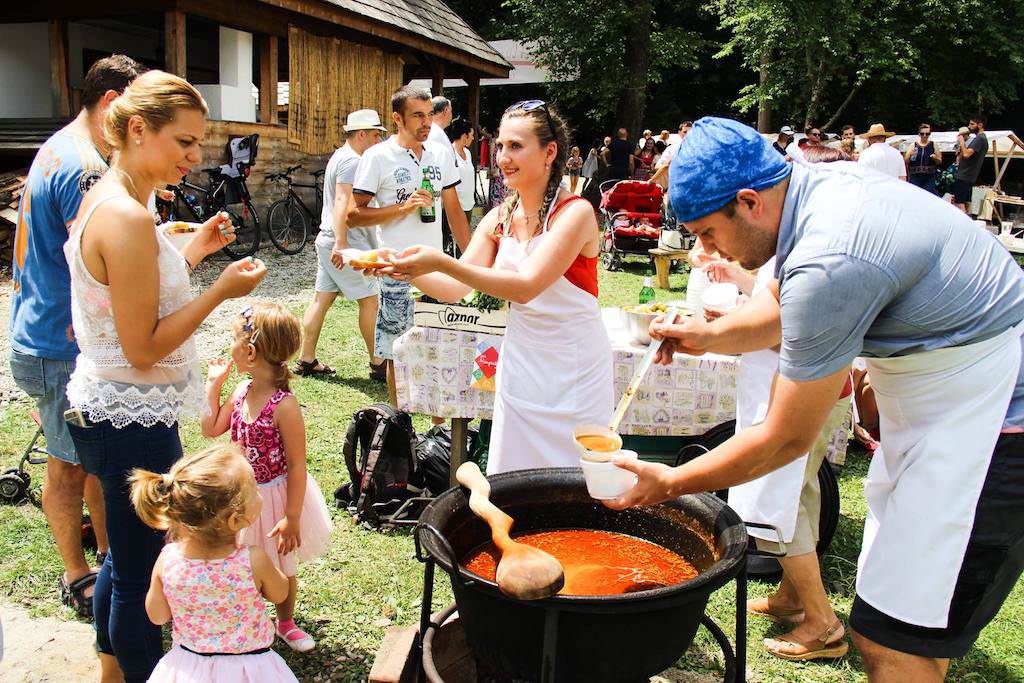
{"x": 329, "y": 56}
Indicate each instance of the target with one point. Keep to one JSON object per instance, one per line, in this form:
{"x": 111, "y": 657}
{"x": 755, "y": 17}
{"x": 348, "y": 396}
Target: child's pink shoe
{"x": 294, "y": 637}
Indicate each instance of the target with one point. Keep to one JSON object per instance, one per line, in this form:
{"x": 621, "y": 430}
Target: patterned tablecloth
{"x": 439, "y": 372}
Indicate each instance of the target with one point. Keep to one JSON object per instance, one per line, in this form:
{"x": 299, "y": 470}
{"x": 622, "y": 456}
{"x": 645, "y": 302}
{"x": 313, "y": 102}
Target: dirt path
{"x": 40, "y": 650}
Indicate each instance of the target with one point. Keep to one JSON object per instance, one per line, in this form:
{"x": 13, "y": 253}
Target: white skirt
{"x": 182, "y": 666}
{"x": 314, "y": 526}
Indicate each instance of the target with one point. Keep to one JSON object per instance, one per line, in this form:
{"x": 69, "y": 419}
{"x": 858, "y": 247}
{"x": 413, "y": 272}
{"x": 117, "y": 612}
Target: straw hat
{"x": 877, "y": 130}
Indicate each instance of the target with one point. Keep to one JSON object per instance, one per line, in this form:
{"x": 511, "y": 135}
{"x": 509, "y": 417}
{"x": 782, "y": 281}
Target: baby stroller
{"x": 631, "y": 220}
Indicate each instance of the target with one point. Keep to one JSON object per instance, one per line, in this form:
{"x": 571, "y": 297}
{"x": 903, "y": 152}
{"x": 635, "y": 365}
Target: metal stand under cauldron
{"x": 638, "y": 635}
{"x": 735, "y": 660}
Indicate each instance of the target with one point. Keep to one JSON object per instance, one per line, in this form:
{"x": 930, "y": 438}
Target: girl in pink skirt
{"x": 208, "y": 586}
{"x": 265, "y": 420}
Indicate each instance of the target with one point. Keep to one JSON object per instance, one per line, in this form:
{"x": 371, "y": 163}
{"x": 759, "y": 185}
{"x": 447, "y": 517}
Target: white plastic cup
{"x": 607, "y": 481}
{"x": 721, "y": 297}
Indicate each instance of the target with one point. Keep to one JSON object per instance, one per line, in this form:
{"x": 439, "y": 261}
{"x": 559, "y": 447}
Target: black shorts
{"x": 990, "y": 569}
{"x": 962, "y": 191}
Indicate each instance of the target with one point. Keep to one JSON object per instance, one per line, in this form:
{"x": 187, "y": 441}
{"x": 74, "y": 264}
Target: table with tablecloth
{"x": 449, "y": 373}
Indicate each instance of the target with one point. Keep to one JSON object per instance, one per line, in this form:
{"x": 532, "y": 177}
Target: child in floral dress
{"x": 211, "y": 589}
{"x": 266, "y": 421}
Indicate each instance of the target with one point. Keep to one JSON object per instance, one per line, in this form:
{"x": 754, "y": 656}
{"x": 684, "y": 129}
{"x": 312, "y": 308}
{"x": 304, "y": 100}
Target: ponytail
{"x": 150, "y": 494}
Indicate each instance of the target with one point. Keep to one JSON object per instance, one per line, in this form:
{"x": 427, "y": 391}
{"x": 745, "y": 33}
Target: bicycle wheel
{"x": 247, "y": 233}
{"x": 288, "y": 226}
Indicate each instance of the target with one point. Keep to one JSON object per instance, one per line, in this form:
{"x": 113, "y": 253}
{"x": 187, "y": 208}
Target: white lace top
{"x": 104, "y": 384}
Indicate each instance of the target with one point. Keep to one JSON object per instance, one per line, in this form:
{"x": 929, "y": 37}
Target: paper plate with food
{"x": 365, "y": 260}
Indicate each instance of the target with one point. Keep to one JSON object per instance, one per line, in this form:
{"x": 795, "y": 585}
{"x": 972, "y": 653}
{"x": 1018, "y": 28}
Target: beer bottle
{"x": 427, "y": 213}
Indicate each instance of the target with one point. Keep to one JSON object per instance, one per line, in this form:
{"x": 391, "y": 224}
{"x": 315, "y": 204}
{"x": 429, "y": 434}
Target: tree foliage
{"x": 818, "y": 57}
{"x": 606, "y": 54}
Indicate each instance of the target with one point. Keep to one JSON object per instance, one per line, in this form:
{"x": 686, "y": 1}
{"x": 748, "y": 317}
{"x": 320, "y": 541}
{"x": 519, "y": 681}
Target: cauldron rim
{"x": 720, "y": 572}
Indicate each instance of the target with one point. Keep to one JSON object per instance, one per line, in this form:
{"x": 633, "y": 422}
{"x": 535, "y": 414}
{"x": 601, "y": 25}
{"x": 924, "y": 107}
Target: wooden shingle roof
{"x": 429, "y": 19}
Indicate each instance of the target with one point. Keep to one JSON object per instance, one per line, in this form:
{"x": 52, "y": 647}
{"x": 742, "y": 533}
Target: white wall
{"x": 232, "y": 99}
{"x": 25, "y": 71}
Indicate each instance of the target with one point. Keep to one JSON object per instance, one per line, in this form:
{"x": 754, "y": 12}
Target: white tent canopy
{"x": 1001, "y": 143}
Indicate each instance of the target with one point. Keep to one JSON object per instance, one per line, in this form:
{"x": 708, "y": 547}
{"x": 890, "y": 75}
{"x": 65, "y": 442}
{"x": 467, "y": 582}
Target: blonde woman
{"x": 134, "y": 315}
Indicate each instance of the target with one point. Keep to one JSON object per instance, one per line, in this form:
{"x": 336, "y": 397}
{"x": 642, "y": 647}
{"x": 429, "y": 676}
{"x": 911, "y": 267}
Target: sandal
{"x": 309, "y": 368}
{"x": 379, "y": 372}
{"x": 297, "y": 639}
{"x": 760, "y": 607}
{"x": 824, "y": 647}
{"x": 73, "y": 594}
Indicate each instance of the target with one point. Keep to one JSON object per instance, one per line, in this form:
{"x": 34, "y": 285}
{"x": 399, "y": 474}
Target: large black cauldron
{"x": 599, "y": 638}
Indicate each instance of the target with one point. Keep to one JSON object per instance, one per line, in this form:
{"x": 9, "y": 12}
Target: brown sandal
{"x": 308, "y": 368}
{"x": 760, "y": 607}
{"x": 824, "y": 647}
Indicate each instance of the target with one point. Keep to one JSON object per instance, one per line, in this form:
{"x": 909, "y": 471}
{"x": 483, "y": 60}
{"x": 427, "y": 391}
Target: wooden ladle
{"x": 523, "y": 572}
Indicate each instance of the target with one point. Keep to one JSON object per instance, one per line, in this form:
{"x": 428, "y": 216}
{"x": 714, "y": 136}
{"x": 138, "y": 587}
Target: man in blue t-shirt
{"x": 870, "y": 267}
{"x": 43, "y": 348}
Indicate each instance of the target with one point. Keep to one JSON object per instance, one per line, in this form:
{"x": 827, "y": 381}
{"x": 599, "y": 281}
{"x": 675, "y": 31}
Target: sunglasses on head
{"x": 532, "y": 105}
{"x": 249, "y": 326}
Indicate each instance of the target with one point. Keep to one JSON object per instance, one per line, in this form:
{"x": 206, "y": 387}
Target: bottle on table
{"x": 647, "y": 291}
{"x": 427, "y": 213}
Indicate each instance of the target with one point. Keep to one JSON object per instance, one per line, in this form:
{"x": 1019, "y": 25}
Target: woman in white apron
{"x": 788, "y": 498}
{"x": 538, "y": 250}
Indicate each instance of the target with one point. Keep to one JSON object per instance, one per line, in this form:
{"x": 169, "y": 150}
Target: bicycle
{"x": 212, "y": 199}
{"x": 288, "y": 219}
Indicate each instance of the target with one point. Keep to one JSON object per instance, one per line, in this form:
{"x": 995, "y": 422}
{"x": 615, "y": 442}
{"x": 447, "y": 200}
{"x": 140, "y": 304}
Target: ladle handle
{"x": 470, "y": 476}
{"x": 639, "y": 373}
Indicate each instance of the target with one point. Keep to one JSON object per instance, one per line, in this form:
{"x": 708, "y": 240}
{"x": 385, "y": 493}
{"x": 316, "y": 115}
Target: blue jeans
{"x": 123, "y": 628}
{"x": 46, "y": 381}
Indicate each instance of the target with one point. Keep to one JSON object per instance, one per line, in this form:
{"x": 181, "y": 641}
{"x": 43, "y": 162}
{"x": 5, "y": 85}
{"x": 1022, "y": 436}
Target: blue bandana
{"x": 716, "y": 159}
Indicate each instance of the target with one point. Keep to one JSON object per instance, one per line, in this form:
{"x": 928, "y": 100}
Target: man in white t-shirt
{"x": 880, "y": 156}
{"x": 661, "y": 172}
{"x": 461, "y": 134}
{"x": 363, "y": 130}
{"x": 438, "y": 135}
{"x": 391, "y": 174}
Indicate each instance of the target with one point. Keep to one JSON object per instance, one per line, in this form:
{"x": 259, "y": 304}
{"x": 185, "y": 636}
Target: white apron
{"x": 940, "y": 415}
{"x": 774, "y": 498}
{"x": 554, "y": 372}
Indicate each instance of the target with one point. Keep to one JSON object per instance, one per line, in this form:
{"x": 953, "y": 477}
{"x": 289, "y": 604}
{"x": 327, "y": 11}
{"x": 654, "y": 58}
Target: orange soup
{"x": 598, "y": 442}
{"x": 596, "y": 562}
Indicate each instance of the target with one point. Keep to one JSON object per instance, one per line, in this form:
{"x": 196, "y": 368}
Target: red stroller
{"x": 631, "y": 220}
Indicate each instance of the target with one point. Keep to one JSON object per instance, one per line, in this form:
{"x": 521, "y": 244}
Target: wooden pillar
{"x": 59, "y": 89}
{"x": 437, "y": 78}
{"x": 268, "y": 79}
{"x": 174, "y": 42}
{"x": 473, "y": 95}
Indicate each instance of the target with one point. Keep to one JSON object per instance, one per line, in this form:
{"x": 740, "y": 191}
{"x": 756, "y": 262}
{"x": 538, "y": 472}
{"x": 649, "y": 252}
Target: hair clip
{"x": 249, "y": 326}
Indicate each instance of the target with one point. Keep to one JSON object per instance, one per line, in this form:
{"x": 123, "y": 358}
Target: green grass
{"x": 370, "y": 579}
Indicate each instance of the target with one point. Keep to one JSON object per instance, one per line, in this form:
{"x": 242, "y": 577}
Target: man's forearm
{"x": 364, "y": 216}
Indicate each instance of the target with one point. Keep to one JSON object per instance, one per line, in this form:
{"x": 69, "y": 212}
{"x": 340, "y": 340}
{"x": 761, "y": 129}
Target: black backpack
{"x": 379, "y": 454}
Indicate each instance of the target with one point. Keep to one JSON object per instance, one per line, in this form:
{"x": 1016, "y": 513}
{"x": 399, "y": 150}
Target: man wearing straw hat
{"x": 363, "y": 130}
{"x": 868, "y": 266}
{"x": 880, "y": 156}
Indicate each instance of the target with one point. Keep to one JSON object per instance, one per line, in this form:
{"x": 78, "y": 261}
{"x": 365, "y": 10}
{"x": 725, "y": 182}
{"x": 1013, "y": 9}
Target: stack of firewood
{"x": 11, "y": 186}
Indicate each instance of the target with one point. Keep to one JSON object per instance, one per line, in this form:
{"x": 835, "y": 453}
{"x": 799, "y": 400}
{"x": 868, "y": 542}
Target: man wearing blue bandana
{"x": 869, "y": 266}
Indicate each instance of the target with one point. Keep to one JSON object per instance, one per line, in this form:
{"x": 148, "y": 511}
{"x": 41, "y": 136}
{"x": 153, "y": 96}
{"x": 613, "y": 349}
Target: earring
{"x": 138, "y": 141}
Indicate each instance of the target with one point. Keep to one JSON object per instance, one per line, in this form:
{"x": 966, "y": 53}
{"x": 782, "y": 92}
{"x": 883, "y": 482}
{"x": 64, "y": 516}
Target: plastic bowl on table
{"x": 721, "y": 297}
{"x": 172, "y": 231}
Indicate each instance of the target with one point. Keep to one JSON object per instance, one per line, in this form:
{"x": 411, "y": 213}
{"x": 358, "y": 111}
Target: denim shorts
{"x": 46, "y": 381}
{"x": 394, "y": 316}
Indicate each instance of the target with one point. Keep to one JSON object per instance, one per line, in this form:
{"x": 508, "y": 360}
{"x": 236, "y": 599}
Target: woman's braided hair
{"x": 557, "y": 132}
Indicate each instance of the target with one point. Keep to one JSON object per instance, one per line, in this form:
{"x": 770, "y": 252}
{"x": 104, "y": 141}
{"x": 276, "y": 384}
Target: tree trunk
{"x": 629, "y": 111}
{"x": 764, "y": 110}
{"x": 842, "y": 107}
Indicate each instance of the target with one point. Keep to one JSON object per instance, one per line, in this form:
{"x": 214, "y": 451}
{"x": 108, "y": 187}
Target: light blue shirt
{"x": 872, "y": 266}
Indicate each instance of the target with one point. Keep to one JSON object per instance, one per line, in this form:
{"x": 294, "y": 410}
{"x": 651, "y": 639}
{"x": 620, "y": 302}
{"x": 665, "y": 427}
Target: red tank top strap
{"x": 583, "y": 271}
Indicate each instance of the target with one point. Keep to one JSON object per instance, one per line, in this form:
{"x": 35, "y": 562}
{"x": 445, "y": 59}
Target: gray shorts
{"x": 349, "y": 283}
{"x": 394, "y": 316}
{"x": 46, "y": 381}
